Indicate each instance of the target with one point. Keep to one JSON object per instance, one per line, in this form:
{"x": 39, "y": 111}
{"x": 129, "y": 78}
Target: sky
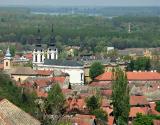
{"x": 80, "y": 2}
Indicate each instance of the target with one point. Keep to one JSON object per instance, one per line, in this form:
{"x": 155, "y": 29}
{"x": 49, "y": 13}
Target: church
{"x": 47, "y": 59}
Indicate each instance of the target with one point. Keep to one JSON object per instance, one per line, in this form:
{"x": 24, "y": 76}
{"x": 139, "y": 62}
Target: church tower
{"x": 7, "y": 60}
{"x": 52, "y": 51}
{"x": 38, "y": 52}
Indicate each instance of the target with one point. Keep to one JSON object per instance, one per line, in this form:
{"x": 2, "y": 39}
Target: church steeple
{"x": 52, "y": 39}
{"x": 38, "y": 39}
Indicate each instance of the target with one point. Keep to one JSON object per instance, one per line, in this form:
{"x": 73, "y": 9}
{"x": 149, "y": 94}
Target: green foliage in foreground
{"x": 120, "y": 96}
{"x": 145, "y": 119}
{"x": 14, "y": 94}
{"x": 96, "y": 69}
{"x": 100, "y": 114}
{"x": 158, "y": 106}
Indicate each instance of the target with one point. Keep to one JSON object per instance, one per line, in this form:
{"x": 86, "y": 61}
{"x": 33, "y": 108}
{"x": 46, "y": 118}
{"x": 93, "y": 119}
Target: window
{"x": 35, "y": 58}
{"x": 49, "y": 56}
{"x": 81, "y": 76}
{"x": 35, "y": 50}
{"x": 19, "y": 79}
{"x": 54, "y": 55}
{"x": 6, "y": 63}
{"x": 41, "y": 58}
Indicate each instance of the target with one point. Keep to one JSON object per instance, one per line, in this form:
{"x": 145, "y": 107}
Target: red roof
{"x": 110, "y": 120}
{"x": 134, "y": 110}
{"x": 138, "y": 100}
{"x": 44, "y": 72}
{"x": 76, "y": 103}
{"x": 59, "y": 79}
{"x": 156, "y": 122}
{"x": 42, "y": 82}
{"x": 41, "y": 94}
{"x": 28, "y": 56}
{"x": 107, "y": 76}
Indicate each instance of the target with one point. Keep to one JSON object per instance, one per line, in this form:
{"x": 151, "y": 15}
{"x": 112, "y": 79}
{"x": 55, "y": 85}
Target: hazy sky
{"x": 81, "y": 2}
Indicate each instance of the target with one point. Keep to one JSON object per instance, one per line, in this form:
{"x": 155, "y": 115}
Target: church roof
{"x": 62, "y": 62}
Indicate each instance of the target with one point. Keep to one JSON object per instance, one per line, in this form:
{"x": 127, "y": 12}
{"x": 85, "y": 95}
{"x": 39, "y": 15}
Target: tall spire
{"x": 52, "y": 39}
{"x": 38, "y": 39}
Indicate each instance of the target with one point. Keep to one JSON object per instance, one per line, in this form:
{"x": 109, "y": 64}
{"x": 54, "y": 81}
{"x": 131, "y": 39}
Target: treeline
{"x": 89, "y": 32}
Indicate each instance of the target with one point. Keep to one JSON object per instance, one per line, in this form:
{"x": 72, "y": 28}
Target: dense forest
{"x": 92, "y": 33}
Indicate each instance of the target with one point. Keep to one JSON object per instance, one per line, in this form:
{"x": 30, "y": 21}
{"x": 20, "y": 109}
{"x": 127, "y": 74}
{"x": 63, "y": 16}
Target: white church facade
{"x": 47, "y": 59}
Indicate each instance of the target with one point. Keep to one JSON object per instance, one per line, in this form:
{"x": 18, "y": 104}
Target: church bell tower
{"x": 7, "y": 60}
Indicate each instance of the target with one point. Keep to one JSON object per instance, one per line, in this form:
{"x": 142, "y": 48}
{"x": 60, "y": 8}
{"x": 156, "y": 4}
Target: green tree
{"x": 93, "y": 103}
{"x": 96, "y": 69}
{"x": 120, "y": 96}
{"x": 142, "y": 120}
{"x": 158, "y": 106}
{"x": 55, "y": 104}
{"x": 100, "y": 114}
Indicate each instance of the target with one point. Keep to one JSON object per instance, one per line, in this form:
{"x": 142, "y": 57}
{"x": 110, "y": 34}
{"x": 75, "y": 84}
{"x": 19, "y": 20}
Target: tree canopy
{"x": 96, "y": 69}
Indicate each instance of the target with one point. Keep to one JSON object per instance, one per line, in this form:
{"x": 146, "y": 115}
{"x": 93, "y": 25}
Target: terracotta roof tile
{"x": 134, "y": 110}
{"x": 107, "y": 76}
{"x": 110, "y": 120}
{"x": 44, "y": 72}
{"x": 138, "y": 100}
{"x": 28, "y": 56}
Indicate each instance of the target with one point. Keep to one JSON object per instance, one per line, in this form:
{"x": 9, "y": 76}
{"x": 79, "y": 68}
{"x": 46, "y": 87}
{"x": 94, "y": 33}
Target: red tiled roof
{"x": 110, "y": 120}
{"x": 28, "y": 56}
{"x": 156, "y": 122}
{"x": 138, "y": 100}
{"x": 76, "y": 103}
{"x": 59, "y": 79}
{"x": 107, "y": 76}
{"x": 134, "y": 110}
{"x": 66, "y": 91}
{"x": 143, "y": 76}
{"x": 85, "y": 116}
{"x": 41, "y": 94}
{"x": 44, "y": 72}
{"x": 42, "y": 82}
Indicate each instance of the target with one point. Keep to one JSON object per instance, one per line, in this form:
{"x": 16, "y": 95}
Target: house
{"x": 12, "y": 115}
{"x": 139, "y": 101}
{"x": 132, "y": 76}
{"x": 72, "y": 68}
{"x": 22, "y": 73}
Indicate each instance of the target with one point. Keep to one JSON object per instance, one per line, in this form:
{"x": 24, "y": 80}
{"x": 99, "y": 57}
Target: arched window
{"x": 6, "y": 63}
{"x": 81, "y": 76}
{"x": 49, "y": 56}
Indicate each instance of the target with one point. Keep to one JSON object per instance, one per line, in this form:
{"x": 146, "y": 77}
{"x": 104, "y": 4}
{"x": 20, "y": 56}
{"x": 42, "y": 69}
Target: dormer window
{"x": 35, "y": 50}
{"x": 41, "y": 50}
{"x": 49, "y": 49}
{"x": 54, "y": 49}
